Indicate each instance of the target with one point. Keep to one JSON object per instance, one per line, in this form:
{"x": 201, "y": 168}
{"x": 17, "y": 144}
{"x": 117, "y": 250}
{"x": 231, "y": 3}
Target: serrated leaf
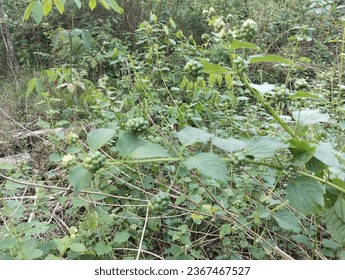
{"x": 121, "y": 236}
{"x": 80, "y": 178}
{"x": 37, "y": 11}
{"x": 149, "y": 150}
{"x": 308, "y": 117}
{"x": 335, "y": 226}
{"x": 236, "y": 44}
{"x": 287, "y": 220}
{"x": 339, "y": 207}
{"x": 325, "y": 153}
{"x": 99, "y": 137}
{"x": 301, "y": 150}
{"x": 208, "y": 164}
{"x": 229, "y": 145}
{"x": 28, "y": 10}
{"x": 269, "y": 58}
{"x": 263, "y": 88}
{"x": 115, "y": 6}
{"x": 224, "y": 230}
{"x": 261, "y": 147}
{"x": 101, "y": 248}
{"x": 190, "y": 135}
{"x": 211, "y": 68}
{"x": 305, "y": 194}
{"x": 78, "y": 247}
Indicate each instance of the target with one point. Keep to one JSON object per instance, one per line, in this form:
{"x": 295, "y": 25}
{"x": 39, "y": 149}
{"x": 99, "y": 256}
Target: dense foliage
{"x": 215, "y": 130}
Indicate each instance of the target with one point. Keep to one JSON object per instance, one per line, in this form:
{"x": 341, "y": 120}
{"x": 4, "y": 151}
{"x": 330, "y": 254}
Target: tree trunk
{"x": 5, "y": 33}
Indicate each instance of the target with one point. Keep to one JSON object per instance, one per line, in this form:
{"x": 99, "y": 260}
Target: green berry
{"x": 218, "y": 25}
{"x": 68, "y": 161}
{"x": 194, "y": 68}
{"x": 159, "y": 202}
{"x": 72, "y": 138}
{"x": 237, "y": 203}
{"x": 227, "y": 35}
{"x": 240, "y": 64}
{"x": 301, "y": 84}
{"x": 235, "y": 229}
{"x": 248, "y": 30}
{"x": 94, "y": 161}
{"x": 238, "y": 157}
{"x": 137, "y": 125}
{"x": 281, "y": 93}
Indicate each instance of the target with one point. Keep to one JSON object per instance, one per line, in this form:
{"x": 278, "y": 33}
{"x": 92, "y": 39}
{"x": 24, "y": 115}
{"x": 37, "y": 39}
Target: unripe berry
{"x": 72, "y": 138}
{"x": 218, "y": 25}
{"x": 68, "y": 161}
{"x": 281, "y": 93}
{"x": 301, "y": 84}
{"x": 248, "y": 30}
{"x": 137, "y": 125}
{"x": 94, "y": 161}
{"x": 240, "y": 64}
{"x": 159, "y": 202}
{"x": 194, "y": 68}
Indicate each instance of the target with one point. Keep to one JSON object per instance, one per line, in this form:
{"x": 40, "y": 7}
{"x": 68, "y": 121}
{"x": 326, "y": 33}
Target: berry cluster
{"x": 290, "y": 171}
{"x": 248, "y": 30}
{"x": 281, "y": 93}
{"x": 240, "y": 64}
{"x": 194, "y": 68}
{"x": 218, "y": 25}
{"x": 235, "y": 229}
{"x": 68, "y": 161}
{"x": 94, "y": 161}
{"x": 137, "y": 125}
{"x": 301, "y": 84}
{"x": 159, "y": 202}
{"x": 238, "y": 157}
{"x": 227, "y": 35}
{"x": 72, "y": 138}
{"x": 237, "y": 203}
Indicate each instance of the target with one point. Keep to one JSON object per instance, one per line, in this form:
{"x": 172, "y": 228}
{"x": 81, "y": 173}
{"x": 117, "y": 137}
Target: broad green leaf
{"x": 197, "y": 218}
{"x": 101, "y": 248}
{"x": 301, "y": 150}
{"x": 325, "y": 153}
{"x": 78, "y": 247}
{"x": 261, "y": 147}
{"x": 92, "y": 4}
{"x": 47, "y": 7}
{"x": 287, "y": 220}
{"x": 13, "y": 209}
{"x": 87, "y": 39}
{"x": 236, "y": 44}
{"x": 113, "y": 4}
{"x": 224, "y": 230}
{"x": 190, "y": 135}
{"x": 121, "y": 236}
{"x": 208, "y": 164}
{"x": 269, "y": 58}
{"x": 78, "y": 3}
{"x": 105, "y": 4}
{"x": 37, "y": 12}
{"x": 339, "y": 207}
{"x": 128, "y": 142}
{"x": 305, "y": 194}
{"x": 99, "y": 137}
{"x": 308, "y": 117}
{"x": 330, "y": 244}
{"x": 229, "y": 145}
{"x": 6, "y": 166}
{"x": 60, "y": 5}
{"x": 80, "y": 178}
{"x": 30, "y": 87}
{"x": 39, "y": 86}
{"x": 62, "y": 244}
{"x": 263, "y": 88}
{"x": 28, "y": 10}
{"x": 303, "y": 94}
{"x": 149, "y": 150}
{"x": 211, "y": 68}
{"x": 335, "y": 225}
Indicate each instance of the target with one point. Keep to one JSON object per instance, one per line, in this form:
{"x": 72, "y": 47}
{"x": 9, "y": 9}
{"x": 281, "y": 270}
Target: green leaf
{"x": 101, "y": 248}
{"x": 229, "y": 145}
{"x": 80, "y": 178}
{"x": 224, "y": 230}
{"x": 113, "y": 4}
{"x": 47, "y": 7}
{"x": 261, "y": 147}
{"x": 211, "y": 68}
{"x": 78, "y": 247}
{"x": 197, "y": 218}
{"x": 62, "y": 244}
{"x": 305, "y": 194}
{"x": 86, "y": 39}
{"x": 208, "y": 164}
{"x": 105, "y": 4}
{"x": 339, "y": 207}
{"x": 121, "y": 236}
{"x": 269, "y": 58}
{"x": 6, "y": 166}
{"x": 301, "y": 150}
{"x": 190, "y": 135}
{"x": 303, "y": 94}
{"x": 99, "y": 137}
{"x": 37, "y": 12}
{"x": 287, "y": 220}
{"x": 308, "y": 117}
{"x": 28, "y": 10}
{"x": 236, "y": 44}
{"x": 78, "y": 3}
{"x": 149, "y": 150}
{"x": 326, "y": 154}
{"x": 263, "y": 88}
{"x": 92, "y": 4}
{"x": 60, "y": 6}
{"x": 335, "y": 225}
{"x": 30, "y": 87}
